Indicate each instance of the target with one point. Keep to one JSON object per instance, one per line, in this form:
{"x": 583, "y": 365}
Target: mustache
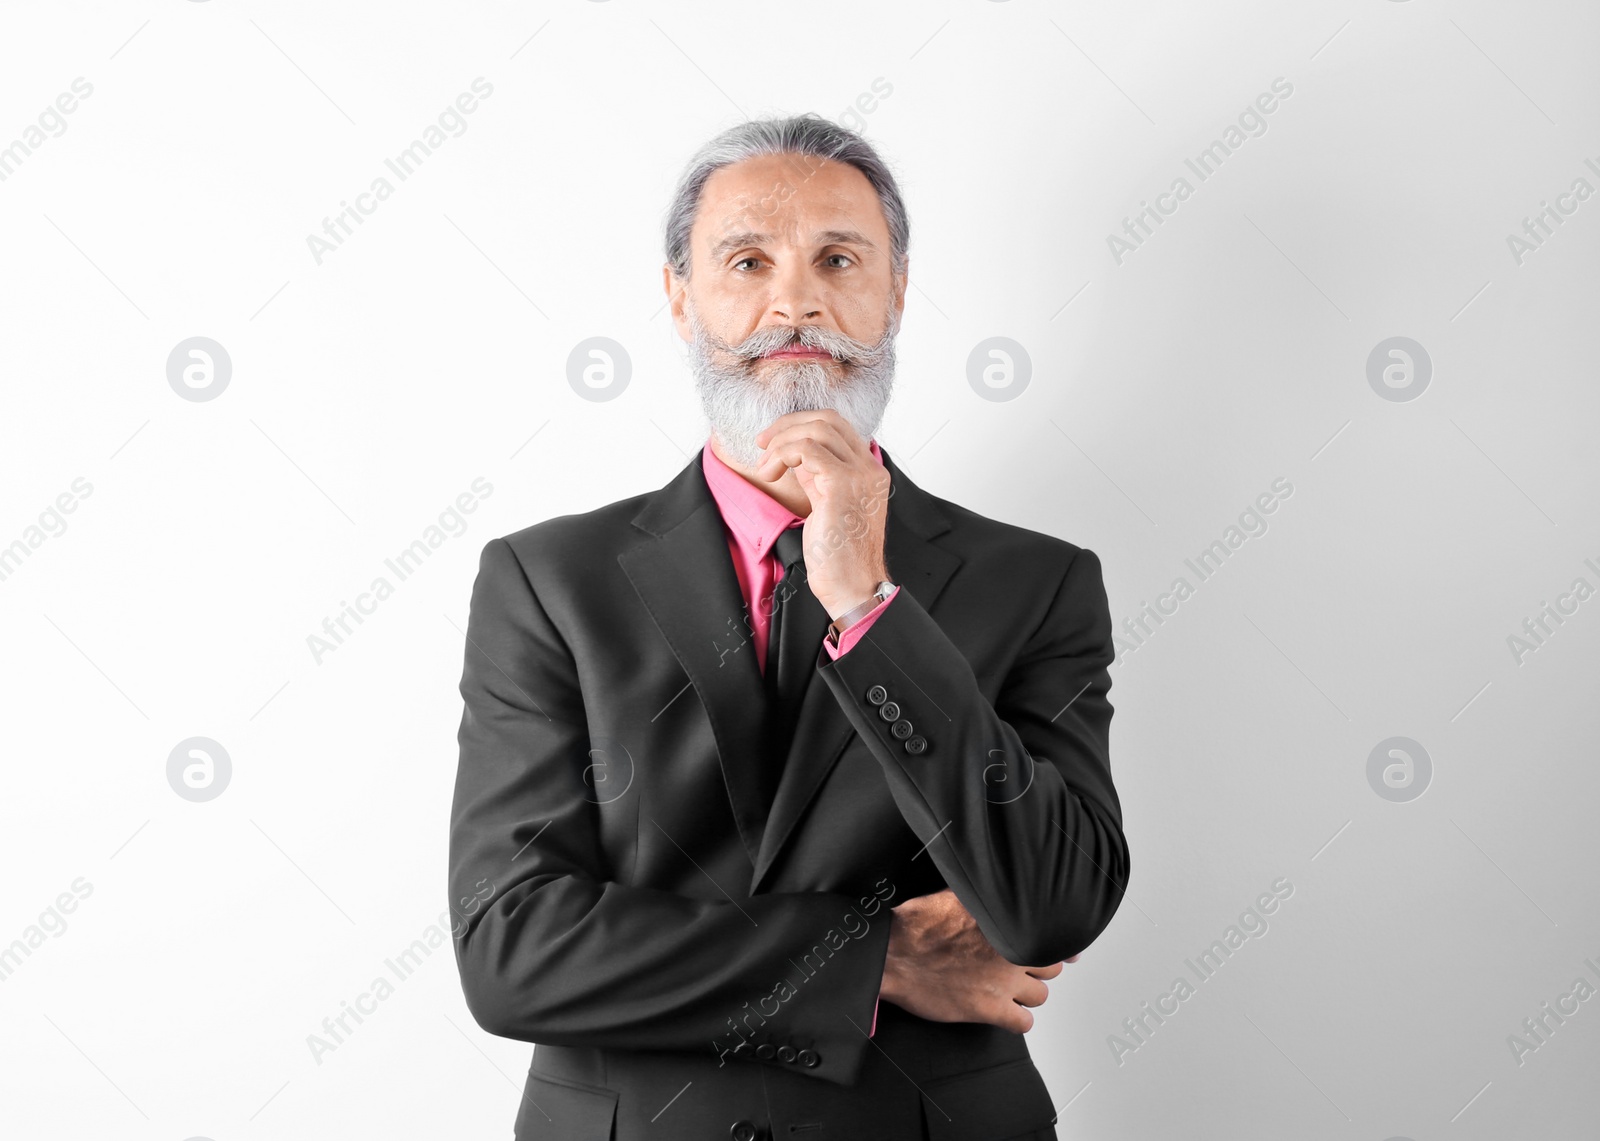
{"x": 776, "y": 338}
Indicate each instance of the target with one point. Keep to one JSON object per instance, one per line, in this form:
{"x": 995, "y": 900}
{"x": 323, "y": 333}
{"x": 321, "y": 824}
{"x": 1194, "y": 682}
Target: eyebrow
{"x": 822, "y": 238}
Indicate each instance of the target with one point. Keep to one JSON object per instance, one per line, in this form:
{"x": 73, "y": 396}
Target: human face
{"x": 791, "y": 303}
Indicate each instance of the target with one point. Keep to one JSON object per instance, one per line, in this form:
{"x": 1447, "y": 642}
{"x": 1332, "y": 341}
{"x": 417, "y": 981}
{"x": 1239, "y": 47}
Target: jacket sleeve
{"x": 551, "y": 950}
{"x": 1014, "y": 798}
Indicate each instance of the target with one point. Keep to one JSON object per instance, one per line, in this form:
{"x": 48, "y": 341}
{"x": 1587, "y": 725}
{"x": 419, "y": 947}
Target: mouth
{"x": 799, "y": 353}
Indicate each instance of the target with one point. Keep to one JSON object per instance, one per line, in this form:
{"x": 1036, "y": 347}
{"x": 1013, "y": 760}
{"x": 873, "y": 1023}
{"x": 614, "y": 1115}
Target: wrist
{"x": 848, "y": 597}
{"x": 859, "y": 614}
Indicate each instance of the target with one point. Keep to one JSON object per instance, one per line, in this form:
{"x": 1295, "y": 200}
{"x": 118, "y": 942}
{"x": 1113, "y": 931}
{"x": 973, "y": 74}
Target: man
{"x": 758, "y": 838}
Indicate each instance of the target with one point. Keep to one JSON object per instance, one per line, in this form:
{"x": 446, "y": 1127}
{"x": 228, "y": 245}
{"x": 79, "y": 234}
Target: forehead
{"x": 790, "y": 197}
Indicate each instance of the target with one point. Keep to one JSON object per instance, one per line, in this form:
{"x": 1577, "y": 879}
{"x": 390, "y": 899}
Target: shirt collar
{"x": 753, "y": 517}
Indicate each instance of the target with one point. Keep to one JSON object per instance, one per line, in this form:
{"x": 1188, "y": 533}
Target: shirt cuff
{"x": 856, "y": 629}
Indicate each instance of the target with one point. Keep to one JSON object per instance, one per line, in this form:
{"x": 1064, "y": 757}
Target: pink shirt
{"x": 752, "y": 521}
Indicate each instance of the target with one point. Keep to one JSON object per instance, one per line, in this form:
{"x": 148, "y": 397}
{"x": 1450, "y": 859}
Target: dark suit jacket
{"x": 693, "y": 967}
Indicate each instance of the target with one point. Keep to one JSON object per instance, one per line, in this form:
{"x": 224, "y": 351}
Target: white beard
{"x": 739, "y": 403}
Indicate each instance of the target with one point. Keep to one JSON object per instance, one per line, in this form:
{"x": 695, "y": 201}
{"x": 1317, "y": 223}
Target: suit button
{"x": 765, "y": 1050}
{"x": 786, "y": 1053}
{"x": 889, "y": 711}
{"x": 901, "y": 729}
{"x": 877, "y": 695}
{"x": 744, "y": 1050}
{"x": 742, "y": 1131}
{"x": 810, "y": 1057}
{"x": 916, "y": 745}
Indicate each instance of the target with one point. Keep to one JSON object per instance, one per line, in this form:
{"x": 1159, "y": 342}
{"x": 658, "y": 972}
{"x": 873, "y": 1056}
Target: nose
{"x": 796, "y": 294}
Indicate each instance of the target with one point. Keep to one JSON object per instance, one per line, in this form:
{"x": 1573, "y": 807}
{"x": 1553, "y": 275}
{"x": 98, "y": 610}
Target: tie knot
{"x": 789, "y": 548}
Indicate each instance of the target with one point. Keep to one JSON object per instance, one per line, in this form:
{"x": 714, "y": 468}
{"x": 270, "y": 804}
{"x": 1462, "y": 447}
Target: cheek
{"x": 863, "y": 313}
{"x": 860, "y": 316}
{"x": 734, "y": 295}
{"x": 727, "y": 314}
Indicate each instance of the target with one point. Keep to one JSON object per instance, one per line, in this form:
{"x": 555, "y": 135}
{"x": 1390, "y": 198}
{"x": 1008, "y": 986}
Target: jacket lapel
{"x": 822, "y": 730}
{"x": 685, "y": 578}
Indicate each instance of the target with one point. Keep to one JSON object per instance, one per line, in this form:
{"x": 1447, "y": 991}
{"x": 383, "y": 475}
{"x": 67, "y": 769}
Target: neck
{"x": 786, "y": 489}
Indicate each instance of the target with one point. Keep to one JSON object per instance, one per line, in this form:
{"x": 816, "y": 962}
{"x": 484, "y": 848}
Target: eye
{"x": 845, "y": 257}
{"x": 741, "y": 261}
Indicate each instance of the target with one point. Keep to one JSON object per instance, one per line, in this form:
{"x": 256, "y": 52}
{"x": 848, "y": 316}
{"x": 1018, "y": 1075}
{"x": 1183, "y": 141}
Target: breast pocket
{"x": 560, "y": 1110}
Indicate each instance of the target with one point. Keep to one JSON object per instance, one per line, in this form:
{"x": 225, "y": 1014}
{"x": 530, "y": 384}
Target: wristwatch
{"x": 838, "y": 626}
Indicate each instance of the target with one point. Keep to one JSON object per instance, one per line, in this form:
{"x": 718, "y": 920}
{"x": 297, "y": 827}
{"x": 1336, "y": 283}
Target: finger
{"x": 823, "y": 432}
{"x": 1049, "y": 972}
{"x": 842, "y": 442}
{"x": 1031, "y": 992}
{"x": 805, "y": 456}
{"x": 812, "y": 455}
{"x": 1017, "y": 1019}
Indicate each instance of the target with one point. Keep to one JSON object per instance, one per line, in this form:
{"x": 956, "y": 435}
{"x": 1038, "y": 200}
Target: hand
{"x": 942, "y": 968}
{"x": 849, "y": 494}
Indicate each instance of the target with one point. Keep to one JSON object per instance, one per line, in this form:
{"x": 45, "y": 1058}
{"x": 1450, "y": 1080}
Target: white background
{"x": 431, "y": 348}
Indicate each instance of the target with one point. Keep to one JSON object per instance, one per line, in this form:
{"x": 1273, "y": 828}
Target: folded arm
{"x": 1014, "y": 798}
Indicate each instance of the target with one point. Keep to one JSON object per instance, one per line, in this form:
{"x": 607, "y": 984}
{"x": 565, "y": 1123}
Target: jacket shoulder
{"x": 574, "y": 542}
{"x": 615, "y": 518}
{"x": 996, "y": 541}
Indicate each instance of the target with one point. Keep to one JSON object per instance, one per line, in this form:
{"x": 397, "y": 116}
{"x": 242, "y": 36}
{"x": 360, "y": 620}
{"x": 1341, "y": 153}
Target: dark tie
{"x": 794, "y": 640}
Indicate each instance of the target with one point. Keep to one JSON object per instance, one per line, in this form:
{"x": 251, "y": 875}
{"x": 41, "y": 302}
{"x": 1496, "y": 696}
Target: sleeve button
{"x": 901, "y": 729}
{"x": 810, "y": 1058}
{"x": 787, "y": 1053}
{"x": 877, "y": 695}
{"x": 889, "y": 711}
{"x": 916, "y": 745}
{"x": 765, "y": 1050}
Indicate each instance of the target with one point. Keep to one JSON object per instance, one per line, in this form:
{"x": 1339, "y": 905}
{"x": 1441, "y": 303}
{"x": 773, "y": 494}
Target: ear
{"x": 902, "y": 282}
{"x": 676, "y": 296}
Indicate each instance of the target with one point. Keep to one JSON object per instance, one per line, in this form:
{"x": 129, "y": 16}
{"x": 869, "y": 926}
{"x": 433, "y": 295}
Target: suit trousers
{"x": 1045, "y": 1133}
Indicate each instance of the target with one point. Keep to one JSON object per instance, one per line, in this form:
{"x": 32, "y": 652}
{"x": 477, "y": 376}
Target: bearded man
{"x": 785, "y": 788}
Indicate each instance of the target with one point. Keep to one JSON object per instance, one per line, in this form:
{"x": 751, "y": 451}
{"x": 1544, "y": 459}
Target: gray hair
{"x": 807, "y": 135}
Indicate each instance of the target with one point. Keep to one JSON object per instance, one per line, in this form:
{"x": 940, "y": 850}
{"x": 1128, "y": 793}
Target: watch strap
{"x": 850, "y": 617}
